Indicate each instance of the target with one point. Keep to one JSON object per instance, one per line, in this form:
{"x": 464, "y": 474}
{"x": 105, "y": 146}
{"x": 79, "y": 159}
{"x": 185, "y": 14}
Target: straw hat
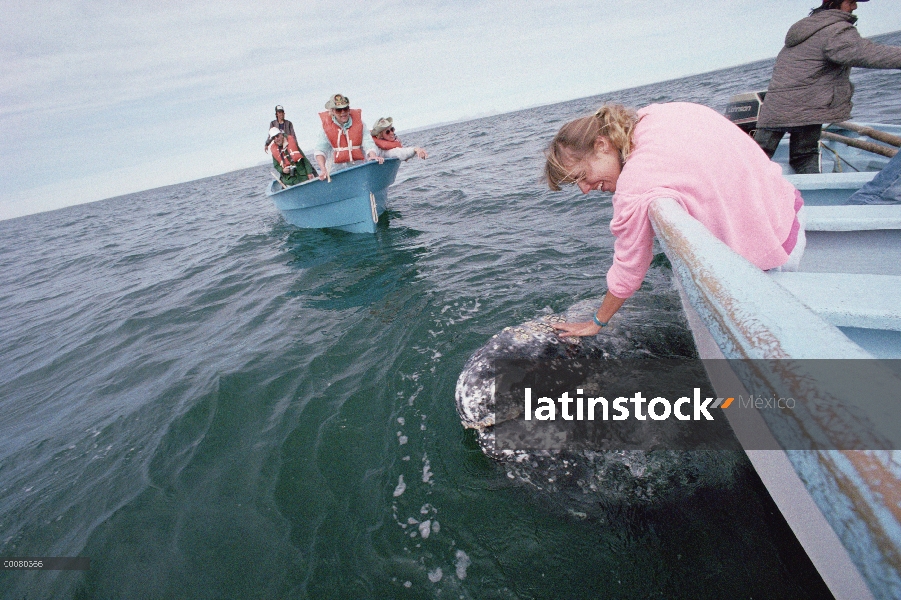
{"x": 381, "y": 125}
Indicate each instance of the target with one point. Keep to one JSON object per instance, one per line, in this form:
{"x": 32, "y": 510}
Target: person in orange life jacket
{"x": 283, "y": 125}
{"x": 389, "y": 146}
{"x": 342, "y": 137}
{"x": 287, "y": 157}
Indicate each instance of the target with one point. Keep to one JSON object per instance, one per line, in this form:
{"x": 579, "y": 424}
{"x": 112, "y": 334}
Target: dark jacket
{"x": 287, "y": 128}
{"x": 811, "y": 79}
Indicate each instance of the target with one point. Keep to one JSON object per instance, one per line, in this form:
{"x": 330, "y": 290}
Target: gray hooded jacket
{"x": 811, "y": 80}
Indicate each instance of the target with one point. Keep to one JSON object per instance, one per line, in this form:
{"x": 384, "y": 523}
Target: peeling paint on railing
{"x": 751, "y": 317}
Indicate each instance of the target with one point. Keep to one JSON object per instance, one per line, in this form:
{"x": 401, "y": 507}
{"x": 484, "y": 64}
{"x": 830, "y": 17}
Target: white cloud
{"x": 105, "y": 98}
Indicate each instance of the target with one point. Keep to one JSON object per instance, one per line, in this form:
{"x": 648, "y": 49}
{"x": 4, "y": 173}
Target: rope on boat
{"x": 839, "y": 159}
{"x": 862, "y": 144}
{"x": 881, "y": 136}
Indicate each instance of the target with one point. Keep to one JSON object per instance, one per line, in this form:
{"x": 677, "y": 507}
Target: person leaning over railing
{"x": 683, "y": 151}
{"x": 389, "y": 145}
{"x": 811, "y": 82}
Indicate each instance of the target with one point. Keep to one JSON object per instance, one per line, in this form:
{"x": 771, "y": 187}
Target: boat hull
{"x": 352, "y": 201}
{"x": 841, "y": 307}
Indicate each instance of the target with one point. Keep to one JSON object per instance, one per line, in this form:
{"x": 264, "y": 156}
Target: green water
{"x": 209, "y": 403}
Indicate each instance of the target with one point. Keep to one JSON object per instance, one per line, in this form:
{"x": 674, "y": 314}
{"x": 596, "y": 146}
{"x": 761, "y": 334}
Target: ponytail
{"x": 577, "y": 139}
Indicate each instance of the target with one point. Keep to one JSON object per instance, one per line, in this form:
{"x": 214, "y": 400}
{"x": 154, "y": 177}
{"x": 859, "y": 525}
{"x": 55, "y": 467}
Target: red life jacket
{"x": 385, "y": 144}
{"x": 346, "y": 150}
{"x": 291, "y": 156}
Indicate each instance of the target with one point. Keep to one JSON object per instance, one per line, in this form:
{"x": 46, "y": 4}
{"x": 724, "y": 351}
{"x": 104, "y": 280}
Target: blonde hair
{"x": 578, "y": 139}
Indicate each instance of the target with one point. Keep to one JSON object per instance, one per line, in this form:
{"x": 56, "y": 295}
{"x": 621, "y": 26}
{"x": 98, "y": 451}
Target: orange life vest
{"x": 385, "y": 144}
{"x": 346, "y": 150}
{"x": 293, "y": 155}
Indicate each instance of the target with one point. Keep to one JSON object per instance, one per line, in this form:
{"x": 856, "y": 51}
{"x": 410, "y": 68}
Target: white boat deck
{"x": 830, "y": 181}
{"x": 829, "y": 188}
{"x": 848, "y": 299}
{"x": 853, "y": 218}
{"x": 851, "y": 273}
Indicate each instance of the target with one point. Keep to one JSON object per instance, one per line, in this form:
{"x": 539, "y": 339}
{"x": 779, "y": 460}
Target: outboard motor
{"x": 743, "y": 110}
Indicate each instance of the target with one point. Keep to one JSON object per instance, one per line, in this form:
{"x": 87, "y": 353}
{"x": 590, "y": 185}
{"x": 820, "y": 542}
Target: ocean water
{"x": 210, "y": 403}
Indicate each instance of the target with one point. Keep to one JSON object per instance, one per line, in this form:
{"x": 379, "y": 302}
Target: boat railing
{"x": 777, "y": 347}
{"x": 749, "y": 316}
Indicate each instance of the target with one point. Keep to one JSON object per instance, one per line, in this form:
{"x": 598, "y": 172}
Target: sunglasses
{"x": 389, "y": 130}
{"x": 345, "y": 109}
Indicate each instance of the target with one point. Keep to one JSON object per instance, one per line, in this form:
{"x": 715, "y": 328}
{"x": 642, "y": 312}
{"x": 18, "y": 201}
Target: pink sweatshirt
{"x": 720, "y": 175}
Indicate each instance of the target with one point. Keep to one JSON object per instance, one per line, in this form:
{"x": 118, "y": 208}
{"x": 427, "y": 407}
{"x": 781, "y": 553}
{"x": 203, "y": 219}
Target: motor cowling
{"x": 743, "y": 110}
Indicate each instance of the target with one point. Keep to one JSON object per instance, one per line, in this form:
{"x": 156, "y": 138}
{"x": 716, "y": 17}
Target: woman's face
{"x": 601, "y": 170}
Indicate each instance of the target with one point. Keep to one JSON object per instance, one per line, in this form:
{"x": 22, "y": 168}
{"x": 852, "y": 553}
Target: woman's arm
{"x": 608, "y": 308}
{"x": 401, "y": 153}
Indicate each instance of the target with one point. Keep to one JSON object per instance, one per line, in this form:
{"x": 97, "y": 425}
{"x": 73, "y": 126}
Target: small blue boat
{"x": 352, "y": 201}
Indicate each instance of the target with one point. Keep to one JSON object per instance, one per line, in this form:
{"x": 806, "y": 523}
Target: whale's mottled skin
{"x": 475, "y": 387}
{"x": 537, "y": 339}
{"x": 592, "y": 475}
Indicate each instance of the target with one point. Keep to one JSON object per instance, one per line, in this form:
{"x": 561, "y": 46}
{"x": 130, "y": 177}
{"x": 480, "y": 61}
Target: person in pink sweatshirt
{"x": 683, "y": 151}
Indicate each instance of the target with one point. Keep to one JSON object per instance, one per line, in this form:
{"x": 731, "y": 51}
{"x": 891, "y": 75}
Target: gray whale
{"x": 611, "y": 474}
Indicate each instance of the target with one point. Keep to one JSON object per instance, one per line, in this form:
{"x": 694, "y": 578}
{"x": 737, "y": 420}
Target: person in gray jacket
{"x": 811, "y": 82}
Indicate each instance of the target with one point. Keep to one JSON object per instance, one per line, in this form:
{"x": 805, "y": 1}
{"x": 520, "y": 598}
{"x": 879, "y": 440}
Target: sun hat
{"x": 381, "y": 125}
{"x": 337, "y": 101}
{"x": 274, "y": 132}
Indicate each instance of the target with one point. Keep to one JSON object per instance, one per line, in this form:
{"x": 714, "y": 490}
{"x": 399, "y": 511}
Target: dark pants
{"x": 803, "y": 146}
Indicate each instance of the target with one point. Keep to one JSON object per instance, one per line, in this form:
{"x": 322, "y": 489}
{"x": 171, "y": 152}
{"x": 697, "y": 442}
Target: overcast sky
{"x": 101, "y": 98}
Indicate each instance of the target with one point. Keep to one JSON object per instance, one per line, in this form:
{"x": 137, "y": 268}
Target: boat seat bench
{"x": 848, "y": 299}
{"x": 853, "y": 239}
{"x": 852, "y": 217}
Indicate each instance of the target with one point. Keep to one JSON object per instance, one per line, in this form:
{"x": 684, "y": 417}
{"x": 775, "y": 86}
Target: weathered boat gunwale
{"x": 737, "y": 311}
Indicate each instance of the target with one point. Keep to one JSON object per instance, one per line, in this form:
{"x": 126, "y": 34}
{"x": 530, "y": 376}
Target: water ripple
{"x": 193, "y": 389}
